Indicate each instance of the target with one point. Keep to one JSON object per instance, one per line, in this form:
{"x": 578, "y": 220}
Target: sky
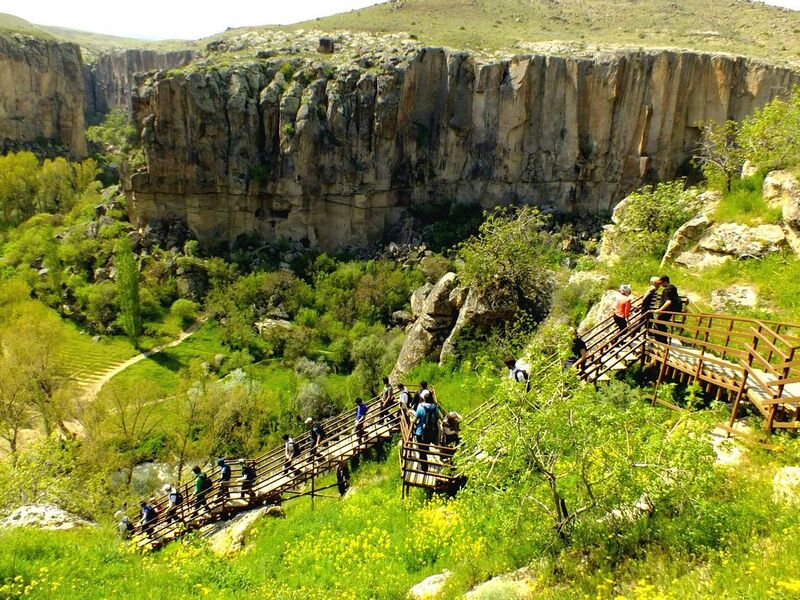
{"x": 165, "y": 19}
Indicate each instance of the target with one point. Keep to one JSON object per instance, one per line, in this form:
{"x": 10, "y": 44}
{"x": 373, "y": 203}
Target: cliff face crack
{"x": 348, "y": 149}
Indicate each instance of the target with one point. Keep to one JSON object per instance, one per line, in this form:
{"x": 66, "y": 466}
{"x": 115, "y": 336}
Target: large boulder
{"x": 779, "y": 186}
{"x": 43, "y": 516}
{"x": 697, "y": 261}
{"x": 476, "y": 314}
{"x": 687, "y": 236}
{"x": 228, "y": 537}
{"x": 433, "y": 324}
{"x": 786, "y": 486}
{"x": 741, "y": 241}
{"x": 418, "y": 297}
{"x": 600, "y": 310}
{"x": 429, "y": 588}
{"x": 518, "y": 585}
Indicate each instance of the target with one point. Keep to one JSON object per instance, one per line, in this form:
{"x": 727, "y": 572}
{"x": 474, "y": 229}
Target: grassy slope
{"x": 736, "y": 26}
{"x": 12, "y": 24}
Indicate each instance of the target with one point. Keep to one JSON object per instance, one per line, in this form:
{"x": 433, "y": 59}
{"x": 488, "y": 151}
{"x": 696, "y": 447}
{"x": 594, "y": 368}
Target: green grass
{"x": 163, "y": 368}
{"x": 12, "y": 24}
{"x": 736, "y": 26}
{"x": 80, "y": 356}
{"x": 745, "y": 204}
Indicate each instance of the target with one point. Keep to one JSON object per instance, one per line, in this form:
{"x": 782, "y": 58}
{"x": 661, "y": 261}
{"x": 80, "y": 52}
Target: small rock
{"x": 96, "y": 339}
{"x": 429, "y": 588}
{"x": 733, "y": 296}
{"x": 275, "y": 510}
{"x": 218, "y": 360}
{"x": 512, "y": 586}
{"x": 326, "y": 45}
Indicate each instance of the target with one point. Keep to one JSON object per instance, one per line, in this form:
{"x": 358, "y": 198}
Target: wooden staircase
{"x": 747, "y": 360}
{"x": 274, "y": 480}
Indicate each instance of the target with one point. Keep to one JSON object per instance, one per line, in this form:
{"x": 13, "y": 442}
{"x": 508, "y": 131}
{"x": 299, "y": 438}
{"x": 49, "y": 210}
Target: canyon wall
{"x": 335, "y": 156}
{"x": 109, "y": 79}
{"x": 41, "y": 94}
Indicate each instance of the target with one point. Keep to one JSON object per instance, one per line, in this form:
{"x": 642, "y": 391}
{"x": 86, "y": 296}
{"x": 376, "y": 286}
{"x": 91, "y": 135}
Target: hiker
{"x": 517, "y": 369}
{"x": 342, "y": 478}
{"x": 124, "y": 525}
{"x": 403, "y": 397}
{"x": 247, "y": 479}
{"x": 317, "y": 437}
{"x": 387, "y": 400}
{"x": 622, "y": 307}
{"x": 201, "y": 486}
{"x": 291, "y": 450}
{"x": 420, "y": 397}
{"x": 224, "y": 481}
{"x": 650, "y": 300}
{"x": 670, "y": 302}
{"x": 426, "y": 425}
{"x": 361, "y": 416}
{"x": 451, "y": 425}
{"x": 148, "y": 516}
{"x": 174, "y": 499}
{"x": 578, "y": 349}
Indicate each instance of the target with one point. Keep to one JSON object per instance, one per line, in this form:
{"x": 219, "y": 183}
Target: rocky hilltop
{"x": 41, "y": 93}
{"x": 334, "y": 156}
{"x": 109, "y": 78}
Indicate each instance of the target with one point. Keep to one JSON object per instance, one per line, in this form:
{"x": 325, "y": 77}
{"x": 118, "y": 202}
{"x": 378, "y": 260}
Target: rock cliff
{"x": 334, "y": 156}
{"x": 109, "y": 79}
{"x": 41, "y": 93}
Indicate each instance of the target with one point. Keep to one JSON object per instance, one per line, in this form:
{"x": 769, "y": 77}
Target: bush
{"x": 185, "y": 311}
{"x": 312, "y": 400}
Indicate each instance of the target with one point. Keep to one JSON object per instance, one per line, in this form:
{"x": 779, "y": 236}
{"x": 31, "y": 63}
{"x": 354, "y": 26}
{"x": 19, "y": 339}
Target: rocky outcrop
{"x": 334, "y": 156}
{"x": 109, "y": 79}
{"x": 41, "y": 94}
{"x": 434, "y": 322}
{"x": 229, "y": 537}
{"x": 429, "y": 588}
{"x": 600, "y": 311}
{"x": 519, "y": 585}
{"x": 474, "y": 313}
{"x": 781, "y": 188}
{"x": 786, "y": 486}
{"x": 43, "y": 516}
{"x": 734, "y": 296}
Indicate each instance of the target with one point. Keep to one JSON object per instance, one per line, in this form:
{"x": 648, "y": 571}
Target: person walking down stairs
{"x": 361, "y": 417}
{"x": 622, "y": 307}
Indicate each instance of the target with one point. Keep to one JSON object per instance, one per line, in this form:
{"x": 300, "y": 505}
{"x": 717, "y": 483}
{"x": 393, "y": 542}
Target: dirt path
{"x": 94, "y": 389}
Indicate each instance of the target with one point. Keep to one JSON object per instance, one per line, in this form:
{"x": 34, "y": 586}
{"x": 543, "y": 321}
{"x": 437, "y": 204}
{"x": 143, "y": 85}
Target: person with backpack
{"x": 174, "y": 500}
{"x": 149, "y": 516}
{"x": 201, "y": 486}
{"x": 224, "y": 482}
{"x": 291, "y": 450}
{"x": 451, "y": 426}
{"x": 247, "y": 479}
{"x": 361, "y": 416}
{"x": 517, "y": 370}
{"x": 317, "y": 437}
{"x": 387, "y": 400}
{"x": 426, "y": 426}
{"x": 422, "y": 394}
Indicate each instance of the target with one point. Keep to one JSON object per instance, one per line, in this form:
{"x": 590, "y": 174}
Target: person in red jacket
{"x": 622, "y": 307}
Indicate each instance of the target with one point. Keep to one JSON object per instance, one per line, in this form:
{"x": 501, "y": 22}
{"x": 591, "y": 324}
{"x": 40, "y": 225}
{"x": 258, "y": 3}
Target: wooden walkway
{"x": 744, "y": 360}
{"x": 275, "y": 481}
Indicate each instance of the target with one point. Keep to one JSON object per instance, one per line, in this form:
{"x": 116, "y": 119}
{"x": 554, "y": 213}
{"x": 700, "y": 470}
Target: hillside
{"x": 736, "y": 26}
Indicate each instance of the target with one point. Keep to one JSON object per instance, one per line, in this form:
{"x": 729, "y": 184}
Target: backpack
{"x": 176, "y": 498}
{"x": 225, "y": 473}
{"x": 430, "y": 429}
{"x": 522, "y": 372}
{"x": 205, "y": 485}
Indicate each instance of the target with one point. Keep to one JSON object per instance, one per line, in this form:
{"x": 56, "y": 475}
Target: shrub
{"x": 312, "y": 400}
{"x": 185, "y": 311}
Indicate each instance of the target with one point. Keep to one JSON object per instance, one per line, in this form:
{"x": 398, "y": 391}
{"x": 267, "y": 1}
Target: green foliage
{"x": 28, "y": 187}
{"x": 130, "y": 310}
{"x": 718, "y": 155}
{"x": 185, "y": 311}
{"x": 770, "y": 137}
{"x": 509, "y": 260}
{"x": 116, "y": 141}
{"x": 745, "y": 204}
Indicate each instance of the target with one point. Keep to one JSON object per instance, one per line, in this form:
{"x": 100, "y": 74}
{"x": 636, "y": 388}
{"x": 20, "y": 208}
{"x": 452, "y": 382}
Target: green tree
{"x": 509, "y": 261}
{"x": 770, "y": 137}
{"x": 719, "y": 155}
{"x": 130, "y": 310}
{"x": 17, "y": 395}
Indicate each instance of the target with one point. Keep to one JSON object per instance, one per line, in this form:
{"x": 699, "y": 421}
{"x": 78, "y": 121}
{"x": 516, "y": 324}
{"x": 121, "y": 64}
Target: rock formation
{"x": 41, "y": 94}
{"x": 43, "y": 516}
{"x": 334, "y": 156}
{"x": 109, "y": 79}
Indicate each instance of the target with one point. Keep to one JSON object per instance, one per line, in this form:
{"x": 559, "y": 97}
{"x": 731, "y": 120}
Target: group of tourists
{"x": 429, "y": 426}
{"x": 661, "y": 300}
